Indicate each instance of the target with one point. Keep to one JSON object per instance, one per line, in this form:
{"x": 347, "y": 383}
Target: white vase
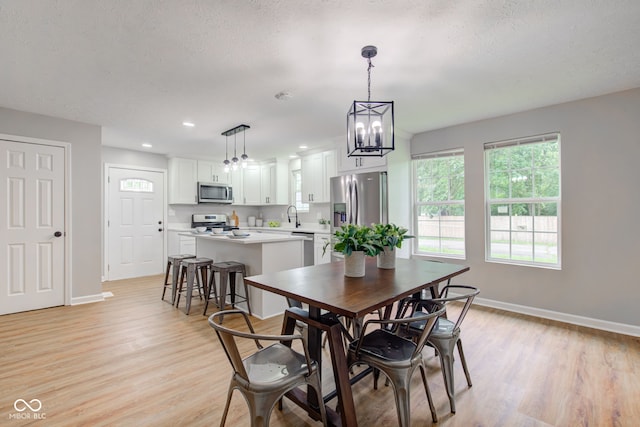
{"x": 354, "y": 264}
{"x": 387, "y": 258}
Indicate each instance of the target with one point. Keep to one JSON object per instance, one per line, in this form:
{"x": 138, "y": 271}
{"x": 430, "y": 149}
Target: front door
{"x": 32, "y": 233}
{"x": 135, "y": 223}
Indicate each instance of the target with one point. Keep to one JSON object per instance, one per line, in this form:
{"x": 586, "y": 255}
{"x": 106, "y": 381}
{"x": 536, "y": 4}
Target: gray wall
{"x": 600, "y": 149}
{"x": 119, "y": 156}
{"x": 86, "y": 205}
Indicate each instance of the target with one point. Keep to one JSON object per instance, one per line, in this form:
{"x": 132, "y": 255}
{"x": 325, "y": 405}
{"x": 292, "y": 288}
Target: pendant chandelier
{"x": 233, "y": 164}
{"x": 370, "y": 123}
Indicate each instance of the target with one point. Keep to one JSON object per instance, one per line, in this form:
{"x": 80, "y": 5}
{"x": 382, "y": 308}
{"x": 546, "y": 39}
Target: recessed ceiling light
{"x": 147, "y": 145}
{"x": 188, "y": 124}
{"x": 293, "y": 156}
{"x": 303, "y": 147}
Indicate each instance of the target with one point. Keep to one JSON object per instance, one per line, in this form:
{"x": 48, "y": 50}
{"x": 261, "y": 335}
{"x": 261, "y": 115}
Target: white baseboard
{"x": 620, "y": 328}
{"x": 87, "y": 299}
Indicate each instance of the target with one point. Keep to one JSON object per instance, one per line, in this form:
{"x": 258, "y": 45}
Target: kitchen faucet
{"x": 289, "y": 217}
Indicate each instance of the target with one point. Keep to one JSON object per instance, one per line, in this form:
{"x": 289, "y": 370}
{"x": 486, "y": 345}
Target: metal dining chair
{"x": 395, "y": 356}
{"x": 445, "y": 335}
{"x": 267, "y": 374}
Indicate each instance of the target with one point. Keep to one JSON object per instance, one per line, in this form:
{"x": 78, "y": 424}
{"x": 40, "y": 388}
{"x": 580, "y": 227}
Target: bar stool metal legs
{"x": 190, "y": 268}
{"x": 173, "y": 261}
{"x": 228, "y": 271}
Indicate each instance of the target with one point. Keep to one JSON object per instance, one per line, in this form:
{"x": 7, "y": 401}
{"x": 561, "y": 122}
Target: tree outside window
{"x": 439, "y": 204}
{"x": 523, "y": 201}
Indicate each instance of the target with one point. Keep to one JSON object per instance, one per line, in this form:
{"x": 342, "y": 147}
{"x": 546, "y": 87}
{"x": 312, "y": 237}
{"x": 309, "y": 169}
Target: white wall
{"x": 600, "y": 149}
{"x": 86, "y": 205}
{"x": 399, "y": 187}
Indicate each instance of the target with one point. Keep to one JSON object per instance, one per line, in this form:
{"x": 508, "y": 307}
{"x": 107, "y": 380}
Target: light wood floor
{"x": 134, "y": 360}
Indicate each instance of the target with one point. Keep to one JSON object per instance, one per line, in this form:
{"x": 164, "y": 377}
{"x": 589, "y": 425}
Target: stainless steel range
{"x": 211, "y": 221}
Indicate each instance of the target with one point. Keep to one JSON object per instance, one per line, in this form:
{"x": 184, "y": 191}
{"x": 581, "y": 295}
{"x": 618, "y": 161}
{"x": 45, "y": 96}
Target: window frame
{"x": 533, "y": 201}
{"x": 417, "y": 204}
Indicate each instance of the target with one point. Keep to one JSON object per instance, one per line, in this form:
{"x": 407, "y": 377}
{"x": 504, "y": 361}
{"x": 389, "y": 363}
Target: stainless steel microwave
{"x": 211, "y": 192}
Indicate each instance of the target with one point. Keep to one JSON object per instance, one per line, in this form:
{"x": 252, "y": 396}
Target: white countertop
{"x": 252, "y": 238}
{"x": 303, "y": 229}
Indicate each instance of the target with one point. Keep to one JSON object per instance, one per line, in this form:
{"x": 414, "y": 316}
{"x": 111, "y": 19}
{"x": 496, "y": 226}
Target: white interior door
{"x": 32, "y": 234}
{"x": 135, "y": 223}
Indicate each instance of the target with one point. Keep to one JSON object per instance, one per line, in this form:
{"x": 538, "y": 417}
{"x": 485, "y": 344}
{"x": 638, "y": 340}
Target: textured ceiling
{"x": 140, "y": 68}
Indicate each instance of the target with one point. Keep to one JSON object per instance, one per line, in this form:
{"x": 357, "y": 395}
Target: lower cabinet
{"x": 177, "y": 244}
{"x": 319, "y": 240}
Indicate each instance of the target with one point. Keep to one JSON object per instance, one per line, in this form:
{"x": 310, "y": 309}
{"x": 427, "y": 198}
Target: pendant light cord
{"x": 369, "y": 80}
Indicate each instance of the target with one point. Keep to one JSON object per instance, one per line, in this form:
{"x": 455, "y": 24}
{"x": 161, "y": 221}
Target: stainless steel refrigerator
{"x": 359, "y": 199}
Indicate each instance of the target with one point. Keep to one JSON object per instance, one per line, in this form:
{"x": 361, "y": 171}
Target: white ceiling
{"x": 140, "y": 68}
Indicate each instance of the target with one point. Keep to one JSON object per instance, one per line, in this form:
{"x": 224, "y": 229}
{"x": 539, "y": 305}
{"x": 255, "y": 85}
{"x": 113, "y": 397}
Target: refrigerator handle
{"x": 357, "y": 202}
{"x": 349, "y": 204}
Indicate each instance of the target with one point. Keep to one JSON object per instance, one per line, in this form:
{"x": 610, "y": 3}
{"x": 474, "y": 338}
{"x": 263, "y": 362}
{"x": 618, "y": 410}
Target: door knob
{"x": 57, "y": 234}
{"x": 159, "y": 229}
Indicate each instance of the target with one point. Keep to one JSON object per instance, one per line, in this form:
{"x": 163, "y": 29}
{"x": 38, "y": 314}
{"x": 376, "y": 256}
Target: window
{"x": 136, "y": 185}
{"x": 439, "y": 203}
{"x": 523, "y": 201}
{"x": 296, "y": 190}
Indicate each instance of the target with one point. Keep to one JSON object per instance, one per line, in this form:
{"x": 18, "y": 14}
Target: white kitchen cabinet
{"x": 183, "y": 179}
{"x": 235, "y": 179}
{"x": 251, "y": 185}
{"x": 317, "y": 169}
{"x": 330, "y": 170}
{"x": 187, "y": 245}
{"x": 359, "y": 164}
{"x": 209, "y": 171}
{"x": 319, "y": 240}
{"x": 177, "y": 244}
{"x": 268, "y": 183}
{"x": 311, "y": 173}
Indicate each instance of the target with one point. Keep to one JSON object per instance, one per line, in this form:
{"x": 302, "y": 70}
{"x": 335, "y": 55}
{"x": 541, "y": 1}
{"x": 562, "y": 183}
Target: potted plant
{"x": 387, "y": 237}
{"x": 324, "y": 223}
{"x": 354, "y": 241}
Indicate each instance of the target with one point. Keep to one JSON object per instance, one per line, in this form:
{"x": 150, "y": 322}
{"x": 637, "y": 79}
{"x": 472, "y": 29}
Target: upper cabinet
{"x": 183, "y": 179}
{"x": 359, "y": 164}
{"x": 265, "y": 184}
{"x": 254, "y": 185}
{"x": 251, "y": 185}
{"x": 269, "y": 183}
{"x": 317, "y": 169}
{"x": 212, "y": 172}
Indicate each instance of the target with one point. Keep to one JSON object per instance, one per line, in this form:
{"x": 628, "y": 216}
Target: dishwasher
{"x": 308, "y": 252}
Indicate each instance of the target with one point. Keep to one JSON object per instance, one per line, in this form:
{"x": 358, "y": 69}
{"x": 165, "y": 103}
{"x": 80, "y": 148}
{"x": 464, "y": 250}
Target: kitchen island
{"x": 261, "y": 253}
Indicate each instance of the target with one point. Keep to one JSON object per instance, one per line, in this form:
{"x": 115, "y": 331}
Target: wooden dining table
{"x": 325, "y": 287}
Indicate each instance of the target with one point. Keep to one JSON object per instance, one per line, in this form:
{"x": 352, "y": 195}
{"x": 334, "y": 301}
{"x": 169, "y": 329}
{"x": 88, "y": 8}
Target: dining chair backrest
{"x": 464, "y": 293}
{"x": 293, "y": 303}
